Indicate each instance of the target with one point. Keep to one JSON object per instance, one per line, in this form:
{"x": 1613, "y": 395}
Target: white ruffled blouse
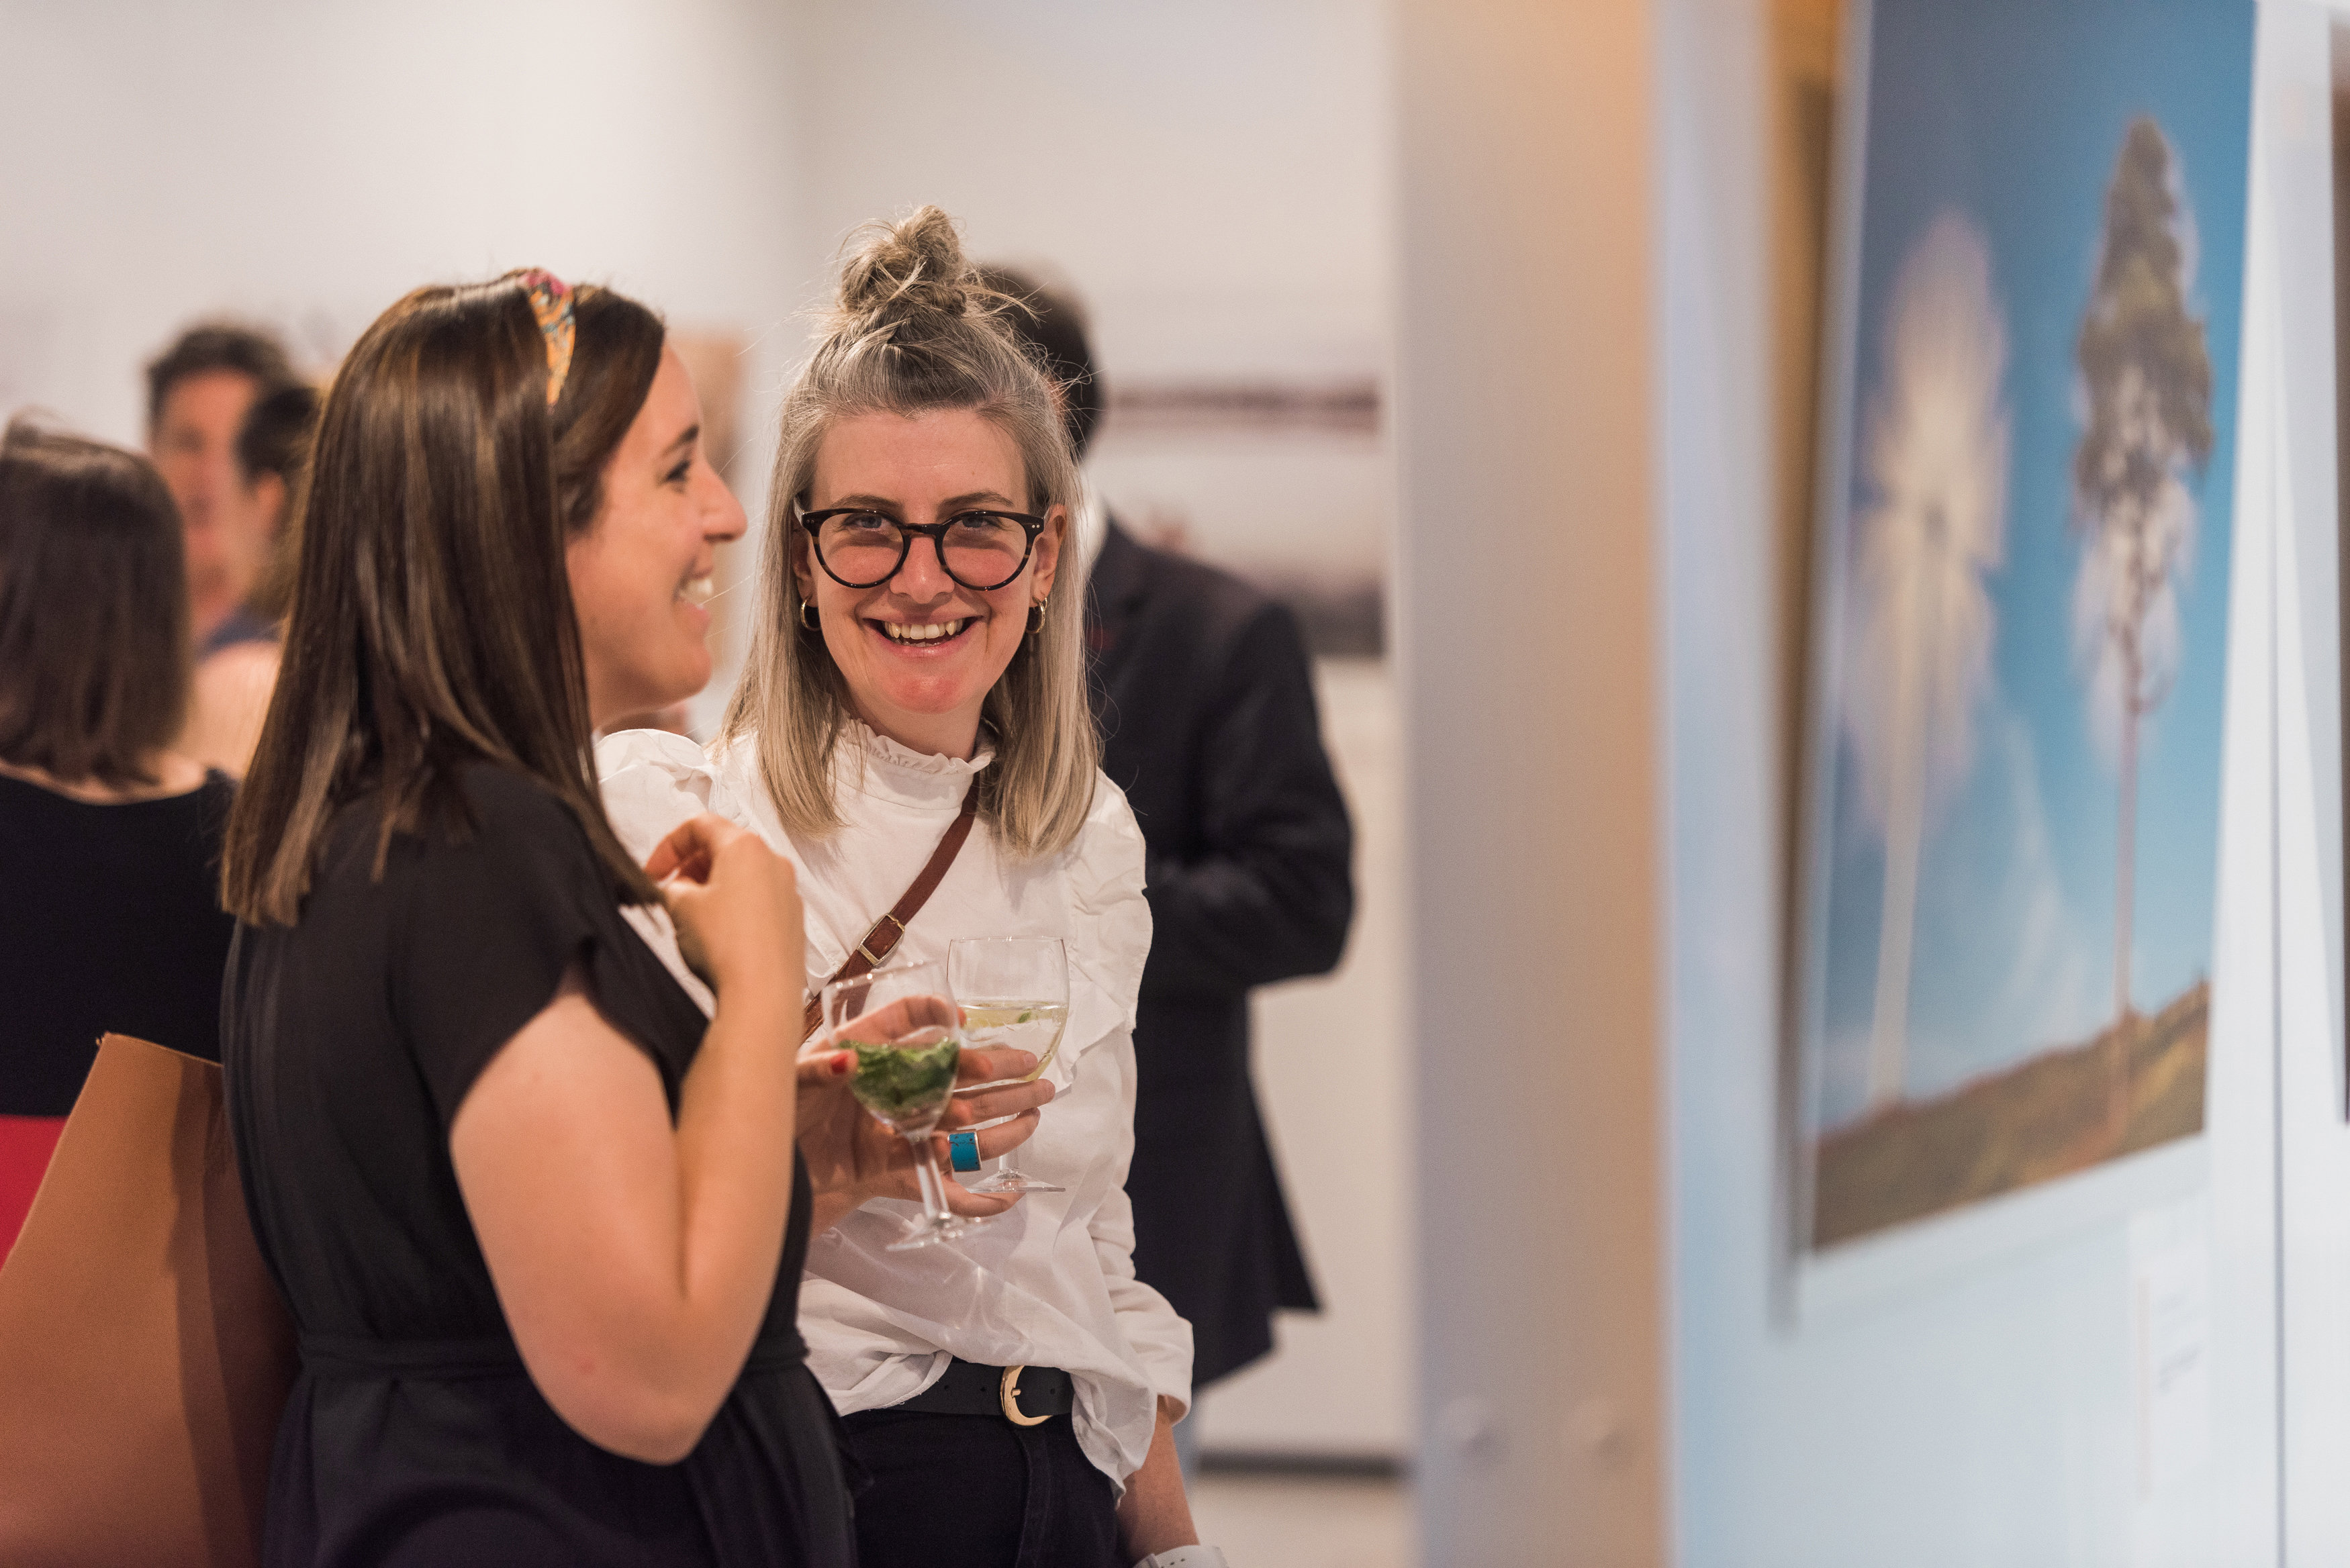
{"x": 1051, "y": 1282}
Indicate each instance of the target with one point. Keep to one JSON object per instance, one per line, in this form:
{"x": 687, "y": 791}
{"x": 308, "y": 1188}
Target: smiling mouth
{"x": 697, "y": 590}
{"x": 927, "y": 635}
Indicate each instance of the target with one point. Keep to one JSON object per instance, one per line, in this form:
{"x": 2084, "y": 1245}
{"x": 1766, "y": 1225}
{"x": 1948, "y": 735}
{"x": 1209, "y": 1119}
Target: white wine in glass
{"x": 1019, "y": 998}
{"x": 1032, "y": 1026}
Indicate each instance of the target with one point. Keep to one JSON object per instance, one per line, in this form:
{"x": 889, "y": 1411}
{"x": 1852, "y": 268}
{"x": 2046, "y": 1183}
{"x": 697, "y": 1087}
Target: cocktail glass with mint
{"x": 903, "y": 1023}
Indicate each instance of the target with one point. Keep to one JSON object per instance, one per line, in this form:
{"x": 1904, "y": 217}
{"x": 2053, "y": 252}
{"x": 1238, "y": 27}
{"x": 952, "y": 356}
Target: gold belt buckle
{"x": 1009, "y": 1393}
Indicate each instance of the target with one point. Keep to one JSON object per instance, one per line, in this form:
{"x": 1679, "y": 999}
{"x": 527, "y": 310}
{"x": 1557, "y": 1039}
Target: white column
{"x": 1526, "y": 605}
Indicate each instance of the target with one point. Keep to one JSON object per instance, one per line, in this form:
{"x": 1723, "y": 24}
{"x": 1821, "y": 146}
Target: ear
{"x": 802, "y": 559}
{"x": 1047, "y": 563}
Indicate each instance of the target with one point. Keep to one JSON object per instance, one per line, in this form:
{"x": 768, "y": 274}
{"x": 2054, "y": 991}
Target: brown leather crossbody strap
{"x": 882, "y": 939}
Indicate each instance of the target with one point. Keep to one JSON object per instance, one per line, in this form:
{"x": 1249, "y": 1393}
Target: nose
{"x": 922, "y": 576}
{"x": 723, "y": 522}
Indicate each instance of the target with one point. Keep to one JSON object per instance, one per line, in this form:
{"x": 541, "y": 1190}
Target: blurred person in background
{"x": 1204, "y": 697}
{"x": 110, "y": 839}
{"x": 233, "y": 684}
{"x": 199, "y": 392}
{"x": 1012, "y": 1395}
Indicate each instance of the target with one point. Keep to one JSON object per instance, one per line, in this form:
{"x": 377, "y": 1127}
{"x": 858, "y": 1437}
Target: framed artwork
{"x": 1278, "y": 476}
{"x": 2010, "y": 828}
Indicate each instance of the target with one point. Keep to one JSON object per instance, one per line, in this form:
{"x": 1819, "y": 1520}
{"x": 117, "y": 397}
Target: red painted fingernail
{"x": 840, "y": 1065}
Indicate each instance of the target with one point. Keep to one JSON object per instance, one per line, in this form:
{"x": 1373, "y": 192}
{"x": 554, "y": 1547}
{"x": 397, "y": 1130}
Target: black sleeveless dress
{"x": 414, "y": 1435}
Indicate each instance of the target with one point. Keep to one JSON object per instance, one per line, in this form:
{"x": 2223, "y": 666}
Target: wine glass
{"x": 902, "y": 1022}
{"x": 1016, "y": 992}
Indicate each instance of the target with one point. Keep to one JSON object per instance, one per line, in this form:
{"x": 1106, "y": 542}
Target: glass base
{"x": 931, "y": 1232}
{"x": 1014, "y": 1181}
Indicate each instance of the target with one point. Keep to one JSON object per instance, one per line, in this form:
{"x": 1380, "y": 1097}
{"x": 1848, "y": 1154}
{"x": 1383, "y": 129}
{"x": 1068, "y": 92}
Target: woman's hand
{"x": 851, "y": 1157}
{"x": 735, "y": 901}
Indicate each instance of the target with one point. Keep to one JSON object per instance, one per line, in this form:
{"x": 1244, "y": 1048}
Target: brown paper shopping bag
{"x": 144, "y": 1353}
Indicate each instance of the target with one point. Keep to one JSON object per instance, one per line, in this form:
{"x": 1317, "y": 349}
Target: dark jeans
{"x": 976, "y": 1491}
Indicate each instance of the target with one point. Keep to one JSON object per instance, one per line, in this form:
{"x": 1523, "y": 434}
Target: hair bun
{"x": 911, "y": 266}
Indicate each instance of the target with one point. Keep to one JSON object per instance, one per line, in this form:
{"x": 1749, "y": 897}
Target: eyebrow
{"x": 977, "y": 498}
{"x": 686, "y": 439}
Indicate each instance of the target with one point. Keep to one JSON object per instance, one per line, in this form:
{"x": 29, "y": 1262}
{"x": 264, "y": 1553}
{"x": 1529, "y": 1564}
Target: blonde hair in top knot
{"x": 908, "y": 269}
{"x": 914, "y": 329}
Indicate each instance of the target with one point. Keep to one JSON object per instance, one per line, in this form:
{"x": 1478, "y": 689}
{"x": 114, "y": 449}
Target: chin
{"x": 930, "y": 698}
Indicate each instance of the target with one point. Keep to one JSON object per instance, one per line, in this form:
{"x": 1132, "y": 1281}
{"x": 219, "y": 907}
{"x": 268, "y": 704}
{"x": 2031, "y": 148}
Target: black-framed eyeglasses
{"x": 862, "y": 548}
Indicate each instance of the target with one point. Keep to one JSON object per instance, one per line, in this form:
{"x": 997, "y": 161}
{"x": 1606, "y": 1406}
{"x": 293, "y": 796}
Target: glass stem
{"x": 926, "y": 1169}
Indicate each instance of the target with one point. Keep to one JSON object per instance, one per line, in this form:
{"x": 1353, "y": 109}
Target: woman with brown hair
{"x": 538, "y": 1220}
{"x": 109, "y": 840}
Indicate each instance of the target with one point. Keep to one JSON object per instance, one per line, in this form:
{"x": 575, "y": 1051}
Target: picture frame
{"x": 2017, "y": 631}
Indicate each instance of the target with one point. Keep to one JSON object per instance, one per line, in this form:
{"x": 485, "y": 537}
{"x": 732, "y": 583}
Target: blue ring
{"x": 964, "y": 1148}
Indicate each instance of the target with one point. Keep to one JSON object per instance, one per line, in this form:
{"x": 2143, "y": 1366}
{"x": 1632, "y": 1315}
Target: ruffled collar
{"x": 872, "y": 763}
{"x": 880, "y": 748}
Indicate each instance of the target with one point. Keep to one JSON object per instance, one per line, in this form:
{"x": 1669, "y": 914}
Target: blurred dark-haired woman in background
{"x": 110, "y": 839}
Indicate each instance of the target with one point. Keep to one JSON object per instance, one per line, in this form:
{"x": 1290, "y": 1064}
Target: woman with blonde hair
{"x": 918, "y": 655}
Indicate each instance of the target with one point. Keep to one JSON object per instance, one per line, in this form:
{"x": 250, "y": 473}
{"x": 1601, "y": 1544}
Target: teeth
{"x": 901, "y": 632}
{"x": 698, "y": 589}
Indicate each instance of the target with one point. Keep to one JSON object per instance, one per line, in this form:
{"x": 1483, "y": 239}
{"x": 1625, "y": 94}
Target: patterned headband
{"x": 550, "y": 301}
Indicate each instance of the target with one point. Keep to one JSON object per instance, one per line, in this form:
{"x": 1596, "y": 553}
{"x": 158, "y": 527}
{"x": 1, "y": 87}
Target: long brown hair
{"x": 432, "y": 622}
{"x": 94, "y": 649}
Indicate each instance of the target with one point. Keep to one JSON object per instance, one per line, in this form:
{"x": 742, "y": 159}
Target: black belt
{"x": 1024, "y": 1396}
{"x": 356, "y": 1355}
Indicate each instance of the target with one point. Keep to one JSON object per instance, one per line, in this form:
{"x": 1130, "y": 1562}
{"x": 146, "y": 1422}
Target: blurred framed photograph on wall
{"x": 2008, "y": 840}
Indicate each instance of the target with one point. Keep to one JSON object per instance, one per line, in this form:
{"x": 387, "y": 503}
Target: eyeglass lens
{"x": 979, "y": 551}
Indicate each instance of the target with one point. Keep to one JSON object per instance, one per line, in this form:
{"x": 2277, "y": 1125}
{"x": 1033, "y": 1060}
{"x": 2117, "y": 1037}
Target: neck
{"x": 208, "y": 607}
{"x": 954, "y": 735}
{"x": 173, "y": 774}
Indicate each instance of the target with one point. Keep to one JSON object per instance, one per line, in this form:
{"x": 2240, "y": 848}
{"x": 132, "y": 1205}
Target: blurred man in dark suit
{"x": 1205, "y": 701}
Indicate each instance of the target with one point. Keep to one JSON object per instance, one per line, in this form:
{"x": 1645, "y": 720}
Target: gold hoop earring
{"x": 1037, "y": 615}
{"x": 808, "y": 616}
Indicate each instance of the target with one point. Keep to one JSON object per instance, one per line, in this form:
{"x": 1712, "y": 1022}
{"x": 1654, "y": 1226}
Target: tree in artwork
{"x": 2146, "y": 388}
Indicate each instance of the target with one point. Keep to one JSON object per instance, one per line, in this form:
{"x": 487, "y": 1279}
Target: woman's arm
{"x": 635, "y": 1259}
{"x": 1154, "y": 1515}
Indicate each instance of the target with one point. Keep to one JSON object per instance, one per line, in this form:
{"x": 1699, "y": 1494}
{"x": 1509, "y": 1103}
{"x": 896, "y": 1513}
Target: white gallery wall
{"x": 2307, "y": 76}
{"x": 2000, "y": 1386}
{"x": 302, "y": 166}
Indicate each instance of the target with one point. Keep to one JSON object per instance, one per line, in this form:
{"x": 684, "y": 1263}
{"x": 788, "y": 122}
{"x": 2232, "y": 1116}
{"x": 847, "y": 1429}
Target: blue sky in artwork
{"x": 2014, "y": 111}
